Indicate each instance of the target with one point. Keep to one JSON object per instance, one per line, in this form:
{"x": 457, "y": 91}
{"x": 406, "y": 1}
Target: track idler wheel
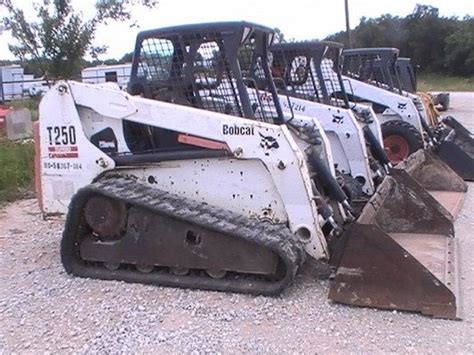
{"x": 400, "y": 139}
{"x": 105, "y": 216}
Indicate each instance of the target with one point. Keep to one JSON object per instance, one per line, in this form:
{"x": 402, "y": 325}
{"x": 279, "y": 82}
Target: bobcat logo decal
{"x": 402, "y": 105}
{"x": 338, "y": 119}
{"x": 267, "y": 143}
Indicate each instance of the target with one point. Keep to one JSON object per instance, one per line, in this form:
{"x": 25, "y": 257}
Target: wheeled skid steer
{"x": 312, "y": 77}
{"x": 410, "y": 121}
{"x": 354, "y": 131}
{"x": 170, "y": 194}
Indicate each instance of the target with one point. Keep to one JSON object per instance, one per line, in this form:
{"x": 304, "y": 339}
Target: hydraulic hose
{"x": 427, "y": 129}
{"x": 326, "y": 212}
{"x": 329, "y": 182}
{"x": 375, "y": 147}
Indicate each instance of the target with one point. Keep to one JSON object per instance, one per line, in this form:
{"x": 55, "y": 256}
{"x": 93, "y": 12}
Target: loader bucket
{"x": 446, "y": 186}
{"x": 457, "y": 150}
{"x": 400, "y": 254}
{"x": 457, "y": 126}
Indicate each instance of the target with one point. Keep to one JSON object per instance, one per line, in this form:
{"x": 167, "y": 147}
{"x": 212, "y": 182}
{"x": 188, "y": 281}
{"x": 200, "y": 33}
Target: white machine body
{"x": 345, "y": 135}
{"x": 261, "y": 179}
{"x": 398, "y": 106}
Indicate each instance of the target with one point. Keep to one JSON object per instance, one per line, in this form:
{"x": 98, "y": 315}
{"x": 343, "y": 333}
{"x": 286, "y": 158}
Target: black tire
{"x": 443, "y": 101}
{"x": 401, "y": 129}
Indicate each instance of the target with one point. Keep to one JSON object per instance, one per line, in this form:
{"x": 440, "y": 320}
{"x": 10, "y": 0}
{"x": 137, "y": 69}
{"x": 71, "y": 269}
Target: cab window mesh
{"x": 367, "y": 67}
{"x": 330, "y": 73}
{"x": 197, "y": 70}
{"x": 257, "y": 78}
{"x": 214, "y": 81}
{"x": 309, "y": 76}
{"x": 156, "y": 59}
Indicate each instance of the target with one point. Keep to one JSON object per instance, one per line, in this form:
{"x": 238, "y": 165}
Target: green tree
{"x": 425, "y": 32}
{"x": 459, "y": 49}
{"x": 127, "y": 58}
{"x": 385, "y": 31}
{"x": 59, "y": 38}
{"x": 435, "y": 43}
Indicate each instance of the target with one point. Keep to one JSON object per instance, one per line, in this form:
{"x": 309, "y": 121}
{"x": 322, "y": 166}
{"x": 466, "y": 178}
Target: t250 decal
{"x": 61, "y": 135}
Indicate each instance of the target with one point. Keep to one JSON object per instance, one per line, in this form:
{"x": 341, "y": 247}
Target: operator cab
{"x": 375, "y": 65}
{"x": 309, "y": 70}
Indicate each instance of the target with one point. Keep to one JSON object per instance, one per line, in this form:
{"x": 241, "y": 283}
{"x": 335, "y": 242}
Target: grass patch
{"x": 17, "y": 170}
{"x": 29, "y": 103}
{"x": 439, "y": 82}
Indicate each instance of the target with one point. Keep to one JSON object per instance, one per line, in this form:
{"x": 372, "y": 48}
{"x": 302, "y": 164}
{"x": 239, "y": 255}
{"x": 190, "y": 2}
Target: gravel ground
{"x": 42, "y": 309}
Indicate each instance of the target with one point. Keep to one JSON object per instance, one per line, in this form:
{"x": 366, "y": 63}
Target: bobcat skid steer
{"x": 214, "y": 90}
{"x": 311, "y": 72}
{"x": 453, "y": 143}
{"x": 407, "y": 74}
{"x": 175, "y": 195}
{"x": 348, "y": 148}
{"x": 296, "y": 71}
{"x": 434, "y": 103}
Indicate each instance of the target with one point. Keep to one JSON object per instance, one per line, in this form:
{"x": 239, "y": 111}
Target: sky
{"x": 298, "y": 19}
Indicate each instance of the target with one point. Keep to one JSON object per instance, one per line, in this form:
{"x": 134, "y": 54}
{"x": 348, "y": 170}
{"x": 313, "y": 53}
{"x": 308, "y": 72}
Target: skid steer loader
{"x": 408, "y": 82}
{"x": 296, "y": 70}
{"x": 171, "y": 194}
{"x": 311, "y": 73}
{"x": 355, "y": 171}
{"x": 413, "y": 121}
{"x": 354, "y": 133}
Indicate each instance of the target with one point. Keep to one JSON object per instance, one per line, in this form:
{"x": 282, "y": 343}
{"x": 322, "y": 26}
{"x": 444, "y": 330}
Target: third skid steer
{"x": 409, "y": 120}
{"x": 406, "y": 71}
{"x": 163, "y": 191}
{"x": 311, "y": 72}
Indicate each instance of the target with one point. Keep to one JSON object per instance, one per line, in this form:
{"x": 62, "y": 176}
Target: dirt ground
{"x": 42, "y": 309}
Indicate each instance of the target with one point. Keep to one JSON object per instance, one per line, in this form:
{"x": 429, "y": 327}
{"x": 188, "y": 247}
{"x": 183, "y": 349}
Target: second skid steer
{"x": 171, "y": 194}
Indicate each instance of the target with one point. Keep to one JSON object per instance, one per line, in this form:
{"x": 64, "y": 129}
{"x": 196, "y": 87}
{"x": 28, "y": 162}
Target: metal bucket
{"x": 400, "y": 254}
{"x": 457, "y": 149}
{"x": 445, "y": 185}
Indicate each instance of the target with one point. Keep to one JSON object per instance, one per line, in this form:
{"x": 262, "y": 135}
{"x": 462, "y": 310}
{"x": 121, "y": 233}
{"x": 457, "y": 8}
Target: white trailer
{"x": 119, "y": 73}
{"x": 11, "y": 80}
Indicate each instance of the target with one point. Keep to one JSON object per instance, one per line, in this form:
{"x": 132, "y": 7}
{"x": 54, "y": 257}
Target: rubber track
{"x": 276, "y": 237}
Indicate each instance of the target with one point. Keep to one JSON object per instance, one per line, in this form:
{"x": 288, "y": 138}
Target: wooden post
{"x": 348, "y": 27}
